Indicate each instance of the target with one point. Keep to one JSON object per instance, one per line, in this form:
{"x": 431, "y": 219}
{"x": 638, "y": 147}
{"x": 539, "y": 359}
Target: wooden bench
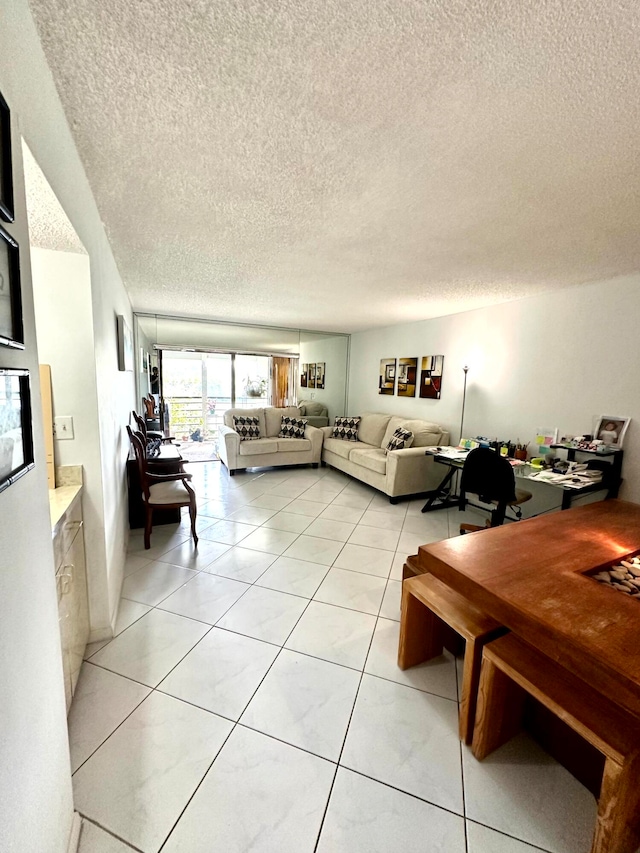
{"x": 511, "y": 669}
{"x": 428, "y": 607}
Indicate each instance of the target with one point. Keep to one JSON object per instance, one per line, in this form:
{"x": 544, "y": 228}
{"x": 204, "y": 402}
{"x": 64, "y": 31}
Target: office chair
{"x": 162, "y": 491}
{"x": 490, "y": 476}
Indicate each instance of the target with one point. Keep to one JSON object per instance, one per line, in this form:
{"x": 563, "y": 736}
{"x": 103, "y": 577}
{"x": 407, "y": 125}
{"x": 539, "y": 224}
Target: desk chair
{"x": 162, "y": 491}
{"x": 490, "y": 476}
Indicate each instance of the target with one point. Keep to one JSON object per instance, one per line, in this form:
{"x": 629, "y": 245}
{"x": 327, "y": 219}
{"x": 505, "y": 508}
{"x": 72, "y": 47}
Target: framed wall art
{"x": 303, "y": 375}
{"x": 311, "y": 377}
{"x": 16, "y": 437}
{"x": 6, "y": 169}
{"x": 11, "y": 328}
{"x": 611, "y": 429}
{"x": 407, "y": 371}
{"x": 320, "y": 368}
{"x": 125, "y": 344}
{"x": 387, "y": 376}
{"x": 431, "y": 376}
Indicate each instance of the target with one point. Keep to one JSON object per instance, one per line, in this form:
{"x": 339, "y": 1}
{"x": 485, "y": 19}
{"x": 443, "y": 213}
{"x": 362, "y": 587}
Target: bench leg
{"x": 470, "y": 682}
{"x": 617, "y": 825}
{"x": 420, "y": 632}
{"x": 498, "y": 712}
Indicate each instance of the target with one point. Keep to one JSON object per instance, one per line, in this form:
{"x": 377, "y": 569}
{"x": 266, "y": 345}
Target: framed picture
{"x": 611, "y": 429}
{"x": 311, "y": 378}
{"x": 11, "y": 329}
{"x": 125, "y": 344}
{"x": 431, "y": 376}
{"x": 320, "y": 367}
{"x": 303, "y": 375}
{"x": 16, "y": 437}
{"x": 407, "y": 372}
{"x": 6, "y": 169}
{"x": 387, "y": 376}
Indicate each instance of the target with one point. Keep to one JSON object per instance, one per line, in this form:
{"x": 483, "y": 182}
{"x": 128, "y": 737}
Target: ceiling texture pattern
{"x": 346, "y": 164}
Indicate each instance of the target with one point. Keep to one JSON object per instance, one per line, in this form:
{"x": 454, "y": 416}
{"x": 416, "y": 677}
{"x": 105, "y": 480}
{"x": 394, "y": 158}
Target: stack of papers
{"x": 454, "y": 453}
{"x": 569, "y": 481}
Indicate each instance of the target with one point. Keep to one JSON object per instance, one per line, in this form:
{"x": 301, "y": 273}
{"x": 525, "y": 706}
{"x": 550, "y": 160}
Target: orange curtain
{"x": 283, "y": 388}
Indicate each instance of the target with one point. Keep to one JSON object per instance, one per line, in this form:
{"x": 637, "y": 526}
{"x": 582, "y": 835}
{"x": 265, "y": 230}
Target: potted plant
{"x": 255, "y": 387}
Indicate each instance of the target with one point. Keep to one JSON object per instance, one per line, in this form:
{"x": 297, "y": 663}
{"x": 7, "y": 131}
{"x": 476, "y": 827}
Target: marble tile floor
{"x": 250, "y": 700}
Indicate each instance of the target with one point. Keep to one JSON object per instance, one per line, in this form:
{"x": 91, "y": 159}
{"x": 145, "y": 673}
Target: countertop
{"x": 60, "y": 500}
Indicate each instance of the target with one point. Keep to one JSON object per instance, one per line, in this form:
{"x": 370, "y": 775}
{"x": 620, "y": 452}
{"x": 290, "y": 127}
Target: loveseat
{"x": 397, "y": 473}
{"x": 269, "y": 449}
{"x": 316, "y": 413}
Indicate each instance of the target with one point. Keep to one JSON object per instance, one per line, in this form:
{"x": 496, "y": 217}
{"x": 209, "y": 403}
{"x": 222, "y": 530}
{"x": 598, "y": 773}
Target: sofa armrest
{"x": 229, "y": 447}
{"x": 326, "y": 431}
{"x": 411, "y": 471}
{"x": 316, "y": 438}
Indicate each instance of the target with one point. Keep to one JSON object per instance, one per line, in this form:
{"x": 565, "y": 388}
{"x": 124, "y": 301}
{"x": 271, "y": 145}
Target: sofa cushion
{"x": 425, "y": 433}
{"x": 313, "y": 408}
{"x": 372, "y": 428}
{"x": 273, "y": 418}
{"x": 248, "y": 428}
{"x": 302, "y": 410}
{"x": 292, "y": 427}
{"x": 340, "y": 447}
{"x": 400, "y": 439}
{"x": 255, "y": 448}
{"x": 245, "y": 413}
{"x": 373, "y": 458}
{"x": 346, "y": 429}
{"x": 294, "y": 445}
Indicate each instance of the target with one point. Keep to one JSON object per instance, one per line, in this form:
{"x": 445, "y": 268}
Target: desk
{"x": 168, "y": 461}
{"x": 530, "y": 577}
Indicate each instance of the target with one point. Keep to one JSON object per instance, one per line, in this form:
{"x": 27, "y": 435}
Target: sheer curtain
{"x": 283, "y": 381}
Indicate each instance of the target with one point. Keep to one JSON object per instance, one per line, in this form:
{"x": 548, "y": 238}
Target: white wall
{"x": 36, "y": 804}
{"x": 553, "y": 360}
{"x": 334, "y": 351}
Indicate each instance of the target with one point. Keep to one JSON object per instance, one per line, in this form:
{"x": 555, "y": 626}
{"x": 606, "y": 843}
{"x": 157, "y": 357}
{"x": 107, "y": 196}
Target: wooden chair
{"x": 162, "y": 491}
{"x": 147, "y": 433}
{"x": 511, "y": 669}
{"x": 428, "y": 606}
{"x": 490, "y": 476}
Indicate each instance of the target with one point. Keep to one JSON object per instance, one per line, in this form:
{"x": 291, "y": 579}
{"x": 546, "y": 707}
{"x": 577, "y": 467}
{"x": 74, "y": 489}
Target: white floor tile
{"x": 288, "y": 489}
{"x": 128, "y": 613}
{"x": 396, "y": 567}
{"x": 306, "y": 702}
{"x": 96, "y": 840}
{"x": 431, "y": 527}
{"x": 481, "y": 839}
{"x": 309, "y": 508}
{"x": 268, "y": 501}
{"x": 409, "y": 543}
{"x": 227, "y": 532}
{"x": 264, "y": 614}
{"x": 374, "y": 537}
{"x": 354, "y": 500}
{"x": 353, "y": 590}
{"x": 221, "y": 673}
{"x": 333, "y": 634}
{"x": 522, "y": 791}
{"x": 102, "y": 700}
{"x": 367, "y": 817}
{"x": 139, "y": 781}
{"x": 289, "y": 521}
{"x": 260, "y": 795}
{"x": 205, "y": 598}
{"x": 327, "y": 528}
{"x": 190, "y": 557}
{"x": 340, "y": 512}
{"x": 381, "y": 503}
{"x": 383, "y": 520}
{"x": 241, "y": 564}
{"x": 217, "y": 509}
{"x": 251, "y": 515}
{"x": 392, "y": 601}
{"x": 270, "y": 541}
{"x": 435, "y": 676}
{"x": 296, "y": 577}
{"x": 161, "y": 542}
{"x": 154, "y": 582}
{"x": 407, "y": 739}
{"x": 313, "y": 549}
{"x": 359, "y": 558}
{"x": 151, "y": 647}
{"x": 133, "y": 562}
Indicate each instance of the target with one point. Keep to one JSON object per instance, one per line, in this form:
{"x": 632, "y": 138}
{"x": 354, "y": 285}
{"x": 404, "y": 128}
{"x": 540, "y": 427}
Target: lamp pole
{"x": 464, "y": 397}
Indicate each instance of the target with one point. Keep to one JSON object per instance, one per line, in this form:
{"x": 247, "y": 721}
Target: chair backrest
{"x": 140, "y": 423}
{"x": 488, "y": 475}
{"x": 139, "y": 448}
{"x": 149, "y": 405}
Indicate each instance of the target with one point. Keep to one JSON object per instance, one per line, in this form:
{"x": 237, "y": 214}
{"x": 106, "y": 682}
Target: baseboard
{"x": 74, "y": 835}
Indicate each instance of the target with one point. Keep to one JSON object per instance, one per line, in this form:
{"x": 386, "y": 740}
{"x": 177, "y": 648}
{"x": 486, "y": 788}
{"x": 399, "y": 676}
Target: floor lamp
{"x": 464, "y": 398}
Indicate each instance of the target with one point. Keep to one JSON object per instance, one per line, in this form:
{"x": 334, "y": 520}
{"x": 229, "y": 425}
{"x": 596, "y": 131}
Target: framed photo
{"x": 320, "y": 367}
{"x": 431, "y": 377}
{"x": 387, "y": 378}
{"x": 16, "y": 437}
{"x": 611, "y": 429}
{"x": 311, "y": 377}
{"x": 11, "y": 329}
{"x": 125, "y": 344}
{"x": 6, "y": 169}
{"x": 407, "y": 371}
{"x": 303, "y": 375}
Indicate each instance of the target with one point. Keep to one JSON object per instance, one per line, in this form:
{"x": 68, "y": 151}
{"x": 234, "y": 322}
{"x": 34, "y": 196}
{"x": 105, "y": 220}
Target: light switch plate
{"x": 63, "y": 427}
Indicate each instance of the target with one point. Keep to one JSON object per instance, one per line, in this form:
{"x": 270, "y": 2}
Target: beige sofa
{"x": 269, "y": 449}
{"x": 398, "y": 473}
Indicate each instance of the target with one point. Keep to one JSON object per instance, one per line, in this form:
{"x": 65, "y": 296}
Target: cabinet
{"x": 71, "y": 587}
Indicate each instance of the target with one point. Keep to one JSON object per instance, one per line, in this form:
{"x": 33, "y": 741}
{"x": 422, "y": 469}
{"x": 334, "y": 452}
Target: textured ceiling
{"x": 345, "y": 164}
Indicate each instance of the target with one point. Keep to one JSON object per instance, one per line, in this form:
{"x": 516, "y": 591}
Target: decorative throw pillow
{"x": 292, "y": 427}
{"x": 346, "y": 428}
{"x": 247, "y": 428}
{"x": 401, "y": 438}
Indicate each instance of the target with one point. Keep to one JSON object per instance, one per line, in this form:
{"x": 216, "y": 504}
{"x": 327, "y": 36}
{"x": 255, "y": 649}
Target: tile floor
{"x": 251, "y": 701}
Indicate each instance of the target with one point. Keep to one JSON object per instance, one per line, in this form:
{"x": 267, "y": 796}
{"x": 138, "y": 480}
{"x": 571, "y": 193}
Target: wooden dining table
{"x": 533, "y": 577}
